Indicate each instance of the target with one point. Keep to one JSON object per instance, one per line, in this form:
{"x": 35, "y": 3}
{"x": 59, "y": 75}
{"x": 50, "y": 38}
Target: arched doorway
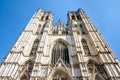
{"x": 60, "y": 74}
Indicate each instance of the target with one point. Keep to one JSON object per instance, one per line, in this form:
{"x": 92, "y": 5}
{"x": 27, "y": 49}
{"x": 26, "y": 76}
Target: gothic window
{"x": 34, "y": 48}
{"x": 38, "y": 30}
{"x": 85, "y": 47}
{"x": 73, "y": 17}
{"x": 82, "y": 29}
{"x": 66, "y": 59}
{"x": 78, "y": 17}
{"x": 29, "y": 67}
{"x": 46, "y": 17}
{"x": 60, "y": 50}
{"x": 90, "y": 67}
{"x": 42, "y": 17}
{"x": 42, "y": 30}
{"x": 28, "y": 70}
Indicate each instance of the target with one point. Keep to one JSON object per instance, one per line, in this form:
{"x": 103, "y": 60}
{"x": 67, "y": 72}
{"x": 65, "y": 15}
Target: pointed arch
{"x": 38, "y": 29}
{"x": 34, "y": 47}
{"x": 29, "y": 61}
{"x": 82, "y": 29}
{"x": 29, "y": 66}
{"x": 93, "y": 61}
{"x": 60, "y": 50}
{"x": 91, "y": 66}
{"x": 73, "y": 16}
{"x": 62, "y": 40}
{"x": 27, "y": 69}
{"x": 85, "y": 47}
{"x": 61, "y": 74}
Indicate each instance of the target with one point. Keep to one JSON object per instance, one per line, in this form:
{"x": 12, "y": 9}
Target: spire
{"x": 60, "y": 25}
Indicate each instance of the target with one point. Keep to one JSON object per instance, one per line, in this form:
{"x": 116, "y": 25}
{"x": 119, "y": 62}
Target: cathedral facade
{"x": 75, "y": 51}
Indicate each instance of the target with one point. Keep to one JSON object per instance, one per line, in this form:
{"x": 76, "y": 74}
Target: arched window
{"x": 82, "y": 29}
{"x": 90, "y": 67}
{"x": 38, "y": 30}
{"x": 29, "y": 67}
{"x": 73, "y": 16}
{"x": 42, "y": 30}
{"x": 47, "y": 17}
{"x": 85, "y": 47}
{"x": 34, "y": 48}
{"x": 60, "y": 50}
{"x": 42, "y": 17}
{"x": 79, "y": 17}
{"x": 28, "y": 70}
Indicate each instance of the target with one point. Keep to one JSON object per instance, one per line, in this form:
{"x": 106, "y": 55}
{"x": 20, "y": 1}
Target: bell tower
{"x": 94, "y": 55}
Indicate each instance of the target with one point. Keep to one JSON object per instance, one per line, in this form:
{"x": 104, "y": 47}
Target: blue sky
{"x": 15, "y": 14}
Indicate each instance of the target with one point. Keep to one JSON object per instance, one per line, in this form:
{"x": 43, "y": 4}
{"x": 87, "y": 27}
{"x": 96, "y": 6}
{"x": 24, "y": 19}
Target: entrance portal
{"x": 60, "y": 76}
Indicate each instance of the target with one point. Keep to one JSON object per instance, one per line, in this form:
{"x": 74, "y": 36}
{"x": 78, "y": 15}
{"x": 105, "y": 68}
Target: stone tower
{"x": 76, "y": 51}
